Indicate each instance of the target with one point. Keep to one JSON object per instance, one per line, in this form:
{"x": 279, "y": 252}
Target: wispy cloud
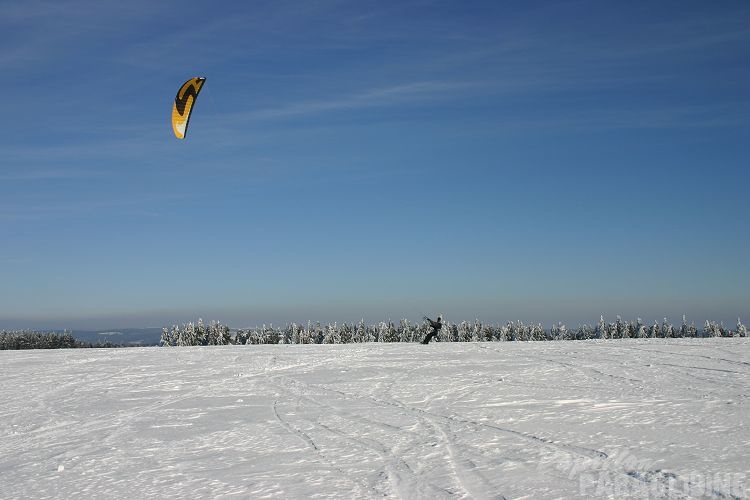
{"x": 377, "y": 97}
{"x": 660, "y": 117}
{"x": 24, "y": 175}
{"x": 37, "y": 31}
{"x": 143, "y": 206}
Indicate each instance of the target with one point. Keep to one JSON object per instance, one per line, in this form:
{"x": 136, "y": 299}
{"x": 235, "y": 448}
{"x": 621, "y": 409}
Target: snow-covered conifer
{"x": 190, "y": 335}
{"x": 601, "y": 329}
{"x": 391, "y": 333}
{"x": 201, "y": 332}
{"x": 273, "y": 335}
{"x": 263, "y": 334}
{"x": 667, "y": 330}
{"x": 711, "y": 329}
{"x": 404, "y": 331}
{"x": 332, "y": 334}
{"x": 537, "y": 333}
{"x": 178, "y": 334}
{"x": 318, "y": 333}
{"x": 741, "y": 330}
{"x": 297, "y": 334}
{"x": 382, "y": 330}
{"x": 503, "y": 333}
{"x": 640, "y": 333}
{"x": 619, "y": 328}
{"x": 347, "y": 332}
{"x": 251, "y": 337}
{"x": 215, "y": 336}
{"x": 684, "y": 329}
{"x": 654, "y": 330}
{"x": 371, "y": 333}
{"x": 464, "y": 332}
{"x": 476, "y": 331}
{"x": 629, "y": 331}
{"x": 240, "y": 337}
{"x": 513, "y": 331}
{"x": 559, "y": 331}
{"x": 166, "y": 337}
{"x": 585, "y": 332}
{"x": 449, "y": 332}
{"x": 716, "y": 329}
{"x": 360, "y": 332}
{"x": 522, "y": 333}
{"x": 303, "y": 336}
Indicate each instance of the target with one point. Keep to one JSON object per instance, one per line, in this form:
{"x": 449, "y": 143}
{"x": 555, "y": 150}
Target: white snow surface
{"x": 616, "y": 418}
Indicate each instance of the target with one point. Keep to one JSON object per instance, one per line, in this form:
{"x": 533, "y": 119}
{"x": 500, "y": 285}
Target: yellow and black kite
{"x": 183, "y": 105}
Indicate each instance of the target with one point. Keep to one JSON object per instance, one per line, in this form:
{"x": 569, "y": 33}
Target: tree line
{"x": 31, "y": 339}
{"x": 216, "y": 333}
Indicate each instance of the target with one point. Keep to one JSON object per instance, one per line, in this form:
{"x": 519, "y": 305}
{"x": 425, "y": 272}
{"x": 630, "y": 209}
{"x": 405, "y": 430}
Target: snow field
{"x": 617, "y": 418}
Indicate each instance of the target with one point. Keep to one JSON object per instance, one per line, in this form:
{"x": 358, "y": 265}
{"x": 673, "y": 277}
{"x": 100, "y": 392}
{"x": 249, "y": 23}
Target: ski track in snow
{"x": 618, "y": 419}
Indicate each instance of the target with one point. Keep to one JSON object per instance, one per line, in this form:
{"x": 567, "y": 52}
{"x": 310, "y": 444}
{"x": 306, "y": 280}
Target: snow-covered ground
{"x": 448, "y": 420}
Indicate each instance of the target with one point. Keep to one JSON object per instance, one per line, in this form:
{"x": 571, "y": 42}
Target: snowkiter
{"x": 436, "y": 326}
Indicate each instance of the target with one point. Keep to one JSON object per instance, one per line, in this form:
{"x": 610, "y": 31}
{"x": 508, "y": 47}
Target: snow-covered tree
{"x": 240, "y": 337}
{"x": 537, "y": 333}
{"x": 166, "y": 337}
{"x": 388, "y": 332}
{"x": 741, "y": 330}
{"x": 189, "y": 336}
{"x": 303, "y": 333}
{"x": 318, "y": 333}
{"x": 449, "y": 332}
{"x": 584, "y": 332}
{"x": 618, "y": 328}
{"x": 711, "y": 329}
{"x": 559, "y": 331}
{"x": 178, "y": 336}
{"x": 201, "y": 333}
{"x": 464, "y": 332}
{"x": 640, "y": 329}
{"x": 294, "y": 329}
{"x": 273, "y": 335}
{"x": 487, "y": 333}
{"x": 503, "y": 333}
{"x": 405, "y": 331}
{"x": 346, "y": 333}
{"x": 512, "y": 331}
{"x": 332, "y": 334}
{"x": 371, "y": 334}
{"x": 667, "y": 330}
{"x": 654, "y": 330}
{"x": 382, "y": 331}
{"x": 218, "y": 334}
{"x": 684, "y": 329}
{"x": 285, "y": 336}
{"x": 359, "y": 334}
{"x": 476, "y": 332}
{"x": 601, "y": 329}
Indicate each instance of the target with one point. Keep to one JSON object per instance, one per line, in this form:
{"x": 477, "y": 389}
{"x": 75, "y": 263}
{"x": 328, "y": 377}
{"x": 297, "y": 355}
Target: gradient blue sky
{"x": 542, "y": 161}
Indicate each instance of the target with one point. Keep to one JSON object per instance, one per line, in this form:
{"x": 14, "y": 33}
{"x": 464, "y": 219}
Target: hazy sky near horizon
{"x": 541, "y": 161}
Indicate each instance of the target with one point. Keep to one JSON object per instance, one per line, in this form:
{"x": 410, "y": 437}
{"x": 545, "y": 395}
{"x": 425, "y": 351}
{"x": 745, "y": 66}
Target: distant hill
{"x": 123, "y": 336}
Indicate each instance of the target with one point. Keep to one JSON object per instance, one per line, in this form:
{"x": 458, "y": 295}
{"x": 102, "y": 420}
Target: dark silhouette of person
{"x": 436, "y": 326}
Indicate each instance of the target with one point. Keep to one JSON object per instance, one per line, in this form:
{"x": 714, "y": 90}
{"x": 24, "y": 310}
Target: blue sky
{"x": 541, "y": 161}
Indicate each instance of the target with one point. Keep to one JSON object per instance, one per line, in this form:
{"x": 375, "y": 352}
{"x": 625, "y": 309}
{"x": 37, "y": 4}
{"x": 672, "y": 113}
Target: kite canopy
{"x": 183, "y": 105}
